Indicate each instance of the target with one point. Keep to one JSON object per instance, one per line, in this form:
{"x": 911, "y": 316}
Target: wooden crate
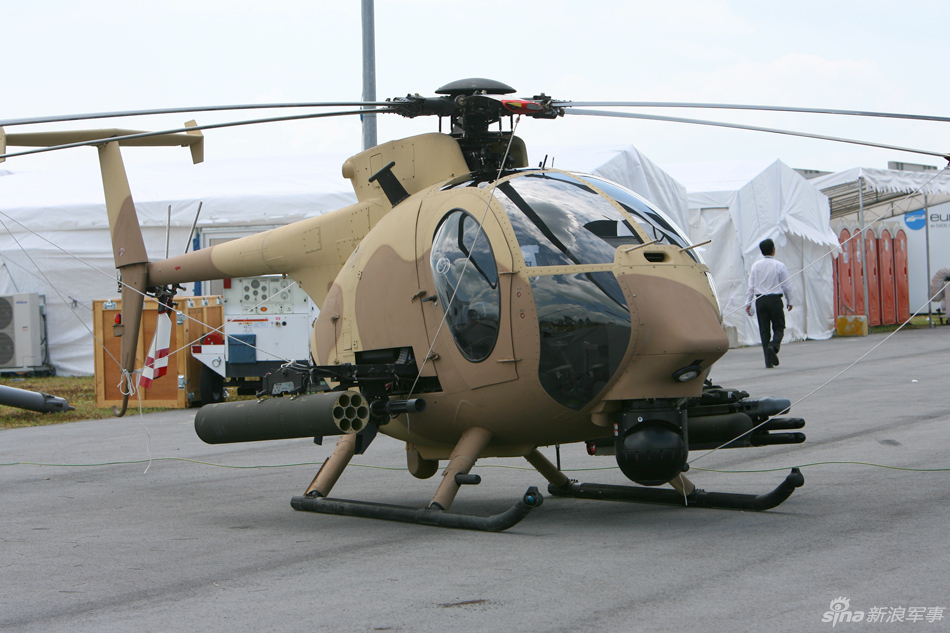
{"x": 194, "y": 317}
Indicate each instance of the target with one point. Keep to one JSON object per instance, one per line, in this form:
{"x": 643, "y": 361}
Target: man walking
{"x": 768, "y": 281}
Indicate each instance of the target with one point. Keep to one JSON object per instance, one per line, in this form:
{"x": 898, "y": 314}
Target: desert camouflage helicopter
{"x": 472, "y": 306}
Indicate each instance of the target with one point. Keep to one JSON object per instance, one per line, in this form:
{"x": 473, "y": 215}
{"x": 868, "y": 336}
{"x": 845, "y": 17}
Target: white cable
{"x": 128, "y": 386}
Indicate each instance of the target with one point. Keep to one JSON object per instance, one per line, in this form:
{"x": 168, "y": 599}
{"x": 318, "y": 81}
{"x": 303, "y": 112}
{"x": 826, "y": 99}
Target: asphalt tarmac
{"x": 203, "y": 538}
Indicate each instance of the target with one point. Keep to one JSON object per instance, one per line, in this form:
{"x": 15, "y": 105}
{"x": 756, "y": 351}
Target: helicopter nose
{"x": 677, "y": 335}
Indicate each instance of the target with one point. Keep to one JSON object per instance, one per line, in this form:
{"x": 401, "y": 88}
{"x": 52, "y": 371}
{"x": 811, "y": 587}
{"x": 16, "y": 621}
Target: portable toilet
{"x": 857, "y": 270}
{"x": 844, "y": 275}
{"x": 885, "y": 258}
{"x": 874, "y": 278}
{"x": 901, "y": 276}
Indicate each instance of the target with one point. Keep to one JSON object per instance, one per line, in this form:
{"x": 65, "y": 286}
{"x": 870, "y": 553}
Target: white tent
{"x": 624, "y": 165}
{"x": 54, "y": 233}
{"x": 879, "y": 182}
{"x": 737, "y": 204}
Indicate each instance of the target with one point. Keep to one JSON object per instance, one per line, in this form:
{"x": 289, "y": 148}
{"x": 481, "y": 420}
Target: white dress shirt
{"x": 768, "y": 276}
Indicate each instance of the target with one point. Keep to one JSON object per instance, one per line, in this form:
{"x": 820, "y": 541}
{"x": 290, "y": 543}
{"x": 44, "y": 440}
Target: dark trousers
{"x": 771, "y": 314}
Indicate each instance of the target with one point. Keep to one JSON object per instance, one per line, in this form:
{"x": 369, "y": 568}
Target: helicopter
{"x": 471, "y": 305}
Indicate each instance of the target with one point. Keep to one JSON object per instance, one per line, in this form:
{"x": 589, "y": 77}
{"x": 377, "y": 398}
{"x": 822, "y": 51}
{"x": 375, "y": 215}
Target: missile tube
{"x": 313, "y": 415}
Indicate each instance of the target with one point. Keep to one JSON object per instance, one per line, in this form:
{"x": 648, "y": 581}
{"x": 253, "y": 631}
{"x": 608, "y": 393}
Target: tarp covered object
{"x": 737, "y": 204}
{"x": 54, "y": 234}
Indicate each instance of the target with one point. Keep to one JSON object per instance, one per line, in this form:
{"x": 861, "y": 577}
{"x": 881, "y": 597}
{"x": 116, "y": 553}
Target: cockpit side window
{"x": 560, "y": 221}
{"x": 466, "y": 280}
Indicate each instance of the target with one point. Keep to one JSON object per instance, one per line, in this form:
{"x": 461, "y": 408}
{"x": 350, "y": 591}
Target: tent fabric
{"x": 934, "y": 183}
{"x": 624, "y": 165}
{"x": 737, "y": 204}
{"x": 54, "y": 234}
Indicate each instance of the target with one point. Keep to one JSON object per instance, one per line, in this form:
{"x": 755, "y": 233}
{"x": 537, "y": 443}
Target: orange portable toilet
{"x": 901, "y": 277}
{"x": 844, "y": 275}
{"x": 874, "y": 278}
{"x": 885, "y": 266}
{"x": 857, "y": 271}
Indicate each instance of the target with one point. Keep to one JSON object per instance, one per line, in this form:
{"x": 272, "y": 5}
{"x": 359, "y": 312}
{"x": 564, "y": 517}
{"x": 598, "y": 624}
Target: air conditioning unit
{"x": 23, "y": 333}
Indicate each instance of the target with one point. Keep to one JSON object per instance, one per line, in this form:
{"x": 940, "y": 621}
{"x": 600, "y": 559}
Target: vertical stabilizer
{"x": 128, "y": 246}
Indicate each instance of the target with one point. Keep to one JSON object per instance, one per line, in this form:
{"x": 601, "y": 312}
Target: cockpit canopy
{"x": 559, "y": 220}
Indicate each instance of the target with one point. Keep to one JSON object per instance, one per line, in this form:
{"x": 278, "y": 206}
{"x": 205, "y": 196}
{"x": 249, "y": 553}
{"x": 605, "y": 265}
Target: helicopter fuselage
{"x": 535, "y": 306}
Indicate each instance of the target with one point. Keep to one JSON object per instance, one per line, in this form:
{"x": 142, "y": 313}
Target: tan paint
{"x": 400, "y": 323}
{"x": 66, "y": 137}
{"x": 470, "y": 446}
{"x": 418, "y": 466}
{"x": 498, "y": 367}
{"x": 548, "y": 470}
{"x": 127, "y": 243}
{"x": 333, "y": 467}
{"x": 420, "y": 161}
{"x": 324, "y": 342}
{"x": 196, "y": 266}
{"x": 674, "y": 326}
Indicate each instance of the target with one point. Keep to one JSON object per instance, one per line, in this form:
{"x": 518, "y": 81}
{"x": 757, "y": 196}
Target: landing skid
{"x": 697, "y": 498}
{"x": 423, "y": 516}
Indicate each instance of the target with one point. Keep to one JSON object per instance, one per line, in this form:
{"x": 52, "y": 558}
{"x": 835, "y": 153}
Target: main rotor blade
{"x": 732, "y": 106}
{"x": 754, "y": 128}
{"x": 223, "y": 108}
{"x": 130, "y": 139}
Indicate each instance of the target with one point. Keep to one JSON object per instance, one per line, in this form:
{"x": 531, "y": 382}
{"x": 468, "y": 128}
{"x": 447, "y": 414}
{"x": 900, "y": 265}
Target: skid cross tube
{"x": 423, "y": 516}
{"x": 697, "y": 498}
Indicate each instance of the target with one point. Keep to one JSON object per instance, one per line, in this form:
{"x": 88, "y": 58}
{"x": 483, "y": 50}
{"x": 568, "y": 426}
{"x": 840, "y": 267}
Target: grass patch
{"x": 920, "y": 321}
{"x": 79, "y": 391}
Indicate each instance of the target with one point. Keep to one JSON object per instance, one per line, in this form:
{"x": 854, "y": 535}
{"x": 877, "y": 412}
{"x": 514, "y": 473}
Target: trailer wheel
{"x": 211, "y": 386}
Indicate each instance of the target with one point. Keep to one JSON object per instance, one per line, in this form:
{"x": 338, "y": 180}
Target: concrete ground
{"x": 203, "y": 538}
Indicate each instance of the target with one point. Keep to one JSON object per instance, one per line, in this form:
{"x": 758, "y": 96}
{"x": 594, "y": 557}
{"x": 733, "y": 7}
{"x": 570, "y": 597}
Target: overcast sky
{"x": 65, "y": 57}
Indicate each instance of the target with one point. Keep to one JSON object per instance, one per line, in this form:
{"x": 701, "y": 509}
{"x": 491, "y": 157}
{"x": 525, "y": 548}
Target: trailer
{"x": 267, "y": 323}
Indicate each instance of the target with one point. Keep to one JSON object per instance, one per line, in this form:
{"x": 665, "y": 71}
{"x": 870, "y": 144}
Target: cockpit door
{"x": 464, "y": 265}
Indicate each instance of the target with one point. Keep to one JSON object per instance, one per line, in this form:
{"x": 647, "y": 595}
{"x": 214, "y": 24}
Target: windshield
{"x": 583, "y": 319}
{"x": 585, "y": 331}
{"x": 654, "y": 222}
{"x": 561, "y": 221}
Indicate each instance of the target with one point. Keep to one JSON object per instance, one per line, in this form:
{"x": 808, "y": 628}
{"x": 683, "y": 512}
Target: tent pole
{"x": 930, "y": 317}
{"x": 804, "y": 305}
{"x": 864, "y": 263}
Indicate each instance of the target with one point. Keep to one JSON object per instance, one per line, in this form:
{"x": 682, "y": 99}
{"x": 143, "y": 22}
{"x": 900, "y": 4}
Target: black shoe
{"x": 772, "y": 355}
